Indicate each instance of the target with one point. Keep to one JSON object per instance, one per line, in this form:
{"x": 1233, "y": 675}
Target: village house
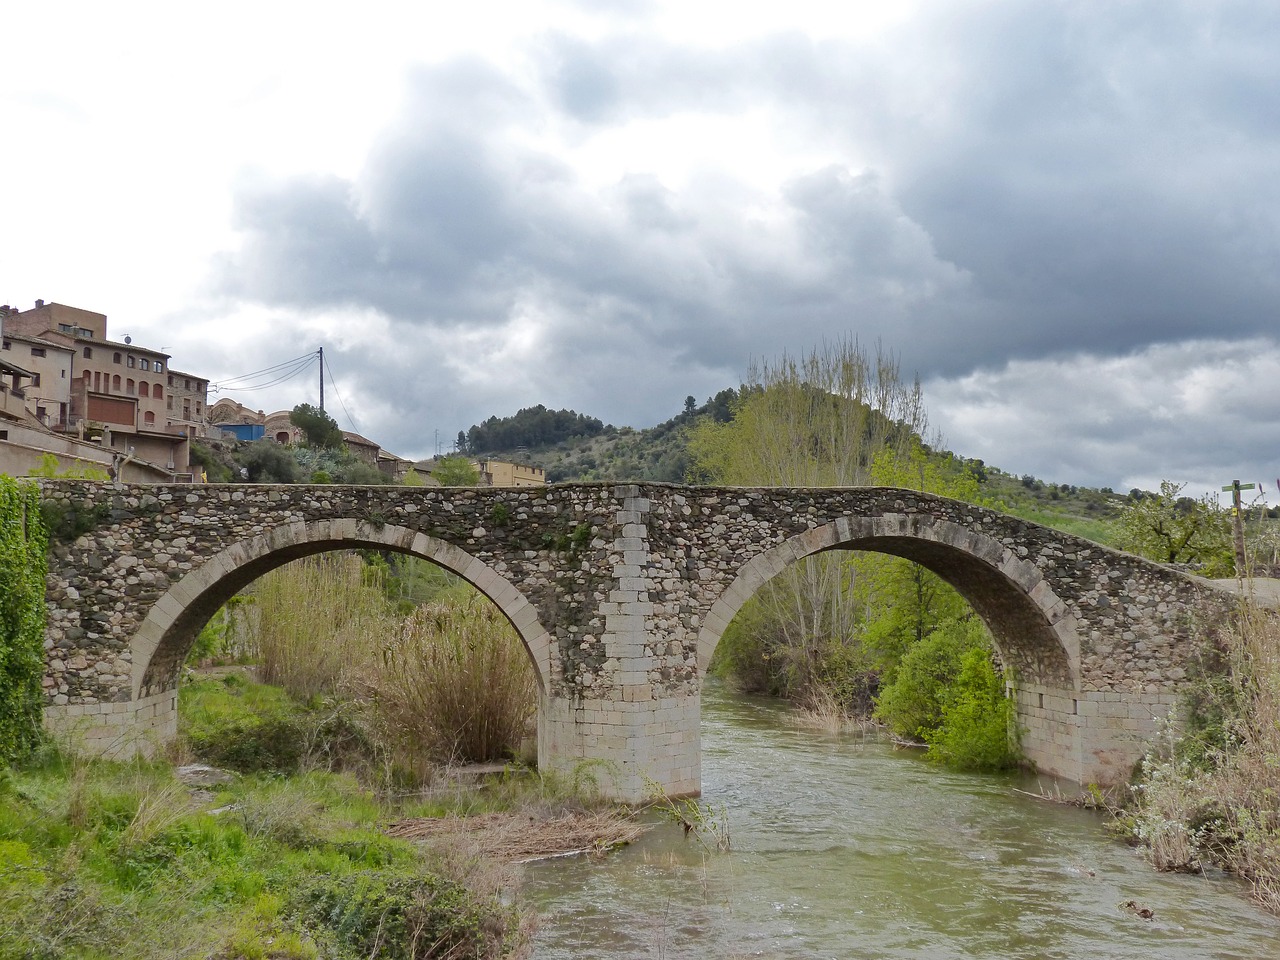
{"x": 91, "y": 388}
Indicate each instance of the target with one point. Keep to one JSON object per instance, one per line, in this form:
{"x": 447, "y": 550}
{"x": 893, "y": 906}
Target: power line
{"x": 334, "y": 383}
{"x": 277, "y": 373}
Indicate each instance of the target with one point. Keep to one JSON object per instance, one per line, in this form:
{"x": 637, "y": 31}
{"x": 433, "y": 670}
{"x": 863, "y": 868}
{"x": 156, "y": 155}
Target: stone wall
{"x": 620, "y": 592}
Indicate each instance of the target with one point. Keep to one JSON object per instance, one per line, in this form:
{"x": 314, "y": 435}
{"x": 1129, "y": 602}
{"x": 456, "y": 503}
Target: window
{"x": 88, "y": 353}
{"x": 35, "y": 379}
{"x": 149, "y": 419}
{"x": 159, "y": 366}
{"x": 82, "y": 332}
{"x": 129, "y": 387}
{"x": 186, "y": 384}
{"x": 197, "y": 408}
{"x": 97, "y": 381}
{"x": 8, "y": 345}
{"x": 145, "y": 364}
{"x": 133, "y": 361}
{"x": 169, "y": 404}
{"x": 158, "y": 391}
{"x": 115, "y": 381}
{"x": 65, "y": 328}
{"x": 115, "y": 358}
{"x": 38, "y": 351}
{"x": 171, "y": 379}
{"x": 144, "y": 389}
{"x": 64, "y": 374}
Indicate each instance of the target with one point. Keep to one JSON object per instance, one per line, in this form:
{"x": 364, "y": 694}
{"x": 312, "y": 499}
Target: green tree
{"x": 817, "y": 420}
{"x": 455, "y": 471}
{"x": 903, "y": 602}
{"x": 318, "y": 428}
{"x": 1170, "y": 528}
{"x": 268, "y": 462}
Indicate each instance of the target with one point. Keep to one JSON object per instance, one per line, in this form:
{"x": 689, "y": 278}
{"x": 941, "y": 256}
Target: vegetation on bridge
{"x": 24, "y": 547}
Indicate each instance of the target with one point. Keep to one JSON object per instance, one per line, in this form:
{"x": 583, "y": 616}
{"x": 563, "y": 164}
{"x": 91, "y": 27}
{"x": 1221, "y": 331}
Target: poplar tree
{"x": 821, "y": 419}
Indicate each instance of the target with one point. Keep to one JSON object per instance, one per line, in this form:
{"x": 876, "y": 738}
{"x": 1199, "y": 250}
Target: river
{"x": 843, "y": 847}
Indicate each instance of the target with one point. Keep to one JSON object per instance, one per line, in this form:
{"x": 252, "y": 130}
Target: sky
{"x": 1062, "y": 216}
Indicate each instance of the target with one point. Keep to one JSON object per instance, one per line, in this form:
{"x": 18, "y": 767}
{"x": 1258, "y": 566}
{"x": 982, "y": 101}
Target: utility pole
{"x": 1237, "y": 522}
{"x": 322, "y": 379}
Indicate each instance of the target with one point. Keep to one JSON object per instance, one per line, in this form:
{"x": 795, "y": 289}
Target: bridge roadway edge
{"x": 620, "y": 592}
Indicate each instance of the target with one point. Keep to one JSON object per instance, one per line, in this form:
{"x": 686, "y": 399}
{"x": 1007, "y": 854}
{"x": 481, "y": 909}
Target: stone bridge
{"x": 620, "y": 593}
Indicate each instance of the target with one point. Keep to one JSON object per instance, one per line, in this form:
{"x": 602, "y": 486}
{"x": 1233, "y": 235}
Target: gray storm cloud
{"x": 1002, "y": 182}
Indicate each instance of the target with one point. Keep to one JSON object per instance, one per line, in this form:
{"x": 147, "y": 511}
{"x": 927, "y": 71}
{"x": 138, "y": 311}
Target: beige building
{"x": 48, "y": 391}
{"x": 187, "y": 403}
{"x": 117, "y": 391}
{"x": 493, "y": 473}
{"x": 500, "y": 473}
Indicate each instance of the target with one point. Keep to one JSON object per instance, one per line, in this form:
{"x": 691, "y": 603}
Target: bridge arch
{"x": 169, "y": 629}
{"x": 1029, "y": 622}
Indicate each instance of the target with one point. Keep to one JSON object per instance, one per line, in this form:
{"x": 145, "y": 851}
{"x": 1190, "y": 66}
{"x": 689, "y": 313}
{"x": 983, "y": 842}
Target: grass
{"x": 101, "y": 859}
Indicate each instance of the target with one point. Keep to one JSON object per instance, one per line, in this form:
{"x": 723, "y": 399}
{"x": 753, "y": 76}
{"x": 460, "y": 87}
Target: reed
{"x": 317, "y": 622}
{"x": 455, "y": 684}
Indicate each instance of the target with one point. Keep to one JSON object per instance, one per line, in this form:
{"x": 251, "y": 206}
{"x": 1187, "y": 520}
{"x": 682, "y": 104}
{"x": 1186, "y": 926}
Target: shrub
{"x": 978, "y": 728}
{"x": 1212, "y": 797}
{"x": 401, "y": 916}
{"x": 947, "y": 693}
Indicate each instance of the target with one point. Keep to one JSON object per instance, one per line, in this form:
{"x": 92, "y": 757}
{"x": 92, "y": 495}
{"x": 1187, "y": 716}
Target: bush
{"x": 947, "y": 694}
{"x": 978, "y": 728}
{"x": 1212, "y": 797}
{"x": 400, "y": 917}
{"x": 268, "y": 462}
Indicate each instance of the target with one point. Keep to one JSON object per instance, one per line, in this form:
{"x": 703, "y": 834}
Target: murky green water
{"x": 846, "y": 848}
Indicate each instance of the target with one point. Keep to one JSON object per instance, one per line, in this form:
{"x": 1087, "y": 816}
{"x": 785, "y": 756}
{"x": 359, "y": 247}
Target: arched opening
{"x": 1035, "y": 639}
{"x": 172, "y": 625}
{"x": 144, "y": 389}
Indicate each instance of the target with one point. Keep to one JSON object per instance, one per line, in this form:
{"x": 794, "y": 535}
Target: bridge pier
{"x": 630, "y": 749}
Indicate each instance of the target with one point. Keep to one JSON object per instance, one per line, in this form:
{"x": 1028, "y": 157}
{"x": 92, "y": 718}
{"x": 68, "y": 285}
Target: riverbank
{"x": 149, "y": 860}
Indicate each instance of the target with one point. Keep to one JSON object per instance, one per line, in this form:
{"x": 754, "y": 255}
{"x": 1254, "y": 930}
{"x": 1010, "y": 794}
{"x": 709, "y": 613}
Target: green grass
{"x": 121, "y": 860}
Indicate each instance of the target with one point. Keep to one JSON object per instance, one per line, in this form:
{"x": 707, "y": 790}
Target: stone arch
{"x": 1031, "y": 625}
{"x": 170, "y": 627}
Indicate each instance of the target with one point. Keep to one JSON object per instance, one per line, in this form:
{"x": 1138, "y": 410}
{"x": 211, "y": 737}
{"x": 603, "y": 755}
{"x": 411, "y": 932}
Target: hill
{"x": 581, "y": 448}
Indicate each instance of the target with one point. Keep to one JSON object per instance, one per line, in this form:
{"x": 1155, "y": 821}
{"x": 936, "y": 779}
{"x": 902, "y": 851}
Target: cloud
{"x": 1200, "y": 412}
{"x": 1031, "y": 203}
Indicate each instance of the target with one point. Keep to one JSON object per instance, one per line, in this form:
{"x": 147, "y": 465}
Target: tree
{"x": 690, "y": 404}
{"x": 1169, "y": 528}
{"x": 268, "y": 462}
{"x": 816, "y": 420}
{"x": 455, "y": 471}
{"x": 318, "y": 428}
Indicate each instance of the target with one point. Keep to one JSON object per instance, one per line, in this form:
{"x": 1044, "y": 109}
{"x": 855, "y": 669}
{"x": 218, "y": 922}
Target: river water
{"x": 841, "y": 846}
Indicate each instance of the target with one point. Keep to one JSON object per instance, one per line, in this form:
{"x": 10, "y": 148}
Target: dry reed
{"x": 517, "y": 837}
{"x": 317, "y": 621}
{"x": 1228, "y": 809}
{"x": 455, "y": 685}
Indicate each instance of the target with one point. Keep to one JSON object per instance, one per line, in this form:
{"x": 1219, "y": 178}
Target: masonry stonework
{"x": 620, "y": 593}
